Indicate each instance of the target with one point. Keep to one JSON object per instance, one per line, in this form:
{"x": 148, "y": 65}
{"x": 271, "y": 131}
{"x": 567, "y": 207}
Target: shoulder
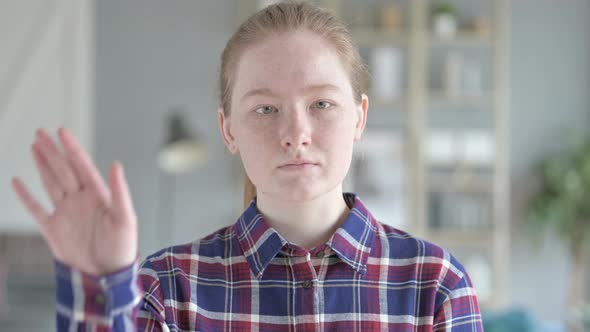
{"x": 179, "y": 257}
{"x": 166, "y": 276}
{"x": 180, "y": 261}
{"x": 429, "y": 260}
{"x": 171, "y": 269}
{"x": 409, "y": 259}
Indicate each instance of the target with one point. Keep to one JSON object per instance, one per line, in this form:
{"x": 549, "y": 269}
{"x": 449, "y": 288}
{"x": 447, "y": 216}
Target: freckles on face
{"x": 290, "y": 70}
{"x": 292, "y": 98}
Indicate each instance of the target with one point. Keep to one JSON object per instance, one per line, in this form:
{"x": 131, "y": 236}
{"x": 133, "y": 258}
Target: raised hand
{"x": 93, "y": 227}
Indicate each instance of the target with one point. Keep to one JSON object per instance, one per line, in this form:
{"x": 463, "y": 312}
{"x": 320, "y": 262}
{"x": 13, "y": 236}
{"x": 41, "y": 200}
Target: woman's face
{"x": 292, "y": 101}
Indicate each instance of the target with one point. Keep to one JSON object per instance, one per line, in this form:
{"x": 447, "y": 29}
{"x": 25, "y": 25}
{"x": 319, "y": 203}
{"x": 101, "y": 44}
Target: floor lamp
{"x": 183, "y": 151}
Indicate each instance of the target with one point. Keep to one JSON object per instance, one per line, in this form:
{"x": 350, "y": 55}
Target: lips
{"x": 298, "y": 162}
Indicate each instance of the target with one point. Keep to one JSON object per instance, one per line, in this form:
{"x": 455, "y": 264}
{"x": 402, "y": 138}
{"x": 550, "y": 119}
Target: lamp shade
{"x": 182, "y": 151}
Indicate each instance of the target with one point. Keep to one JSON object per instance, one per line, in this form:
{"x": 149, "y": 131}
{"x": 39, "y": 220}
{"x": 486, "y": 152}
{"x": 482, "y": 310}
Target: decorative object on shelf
{"x": 441, "y": 149}
{"x": 459, "y": 211}
{"x": 391, "y": 18}
{"x": 481, "y": 26}
{"x": 452, "y": 74}
{"x": 387, "y": 72}
{"x": 444, "y": 20}
{"x": 377, "y": 175}
{"x": 477, "y": 147}
{"x": 472, "y": 79}
{"x": 473, "y": 147}
{"x": 462, "y": 77}
{"x": 562, "y": 204}
{"x": 182, "y": 150}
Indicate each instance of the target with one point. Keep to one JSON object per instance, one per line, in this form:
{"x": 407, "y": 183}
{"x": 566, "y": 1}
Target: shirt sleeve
{"x": 459, "y": 312}
{"x": 107, "y": 303}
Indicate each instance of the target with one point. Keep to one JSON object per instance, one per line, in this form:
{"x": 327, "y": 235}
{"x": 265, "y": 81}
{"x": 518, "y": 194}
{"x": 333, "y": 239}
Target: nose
{"x": 295, "y": 129}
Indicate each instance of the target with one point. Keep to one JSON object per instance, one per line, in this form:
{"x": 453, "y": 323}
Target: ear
{"x": 224, "y": 128}
{"x": 361, "y": 110}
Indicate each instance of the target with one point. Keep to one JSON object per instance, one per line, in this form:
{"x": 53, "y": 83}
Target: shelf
{"x": 455, "y": 237}
{"x": 439, "y": 97}
{"x": 380, "y": 103}
{"x": 386, "y": 119}
{"x": 457, "y": 183}
{"x": 460, "y": 169}
{"x": 460, "y": 211}
{"x": 374, "y": 37}
{"x": 462, "y": 39}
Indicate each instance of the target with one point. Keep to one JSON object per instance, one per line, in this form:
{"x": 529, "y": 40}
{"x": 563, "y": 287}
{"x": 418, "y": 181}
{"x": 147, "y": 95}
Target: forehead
{"x": 288, "y": 63}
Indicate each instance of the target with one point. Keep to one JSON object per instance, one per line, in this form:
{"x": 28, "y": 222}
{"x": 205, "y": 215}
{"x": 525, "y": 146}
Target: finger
{"x": 52, "y": 187}
{"x": 122, "y": 203}
{"x": 58, "y": 163}
{"x": 85, "y": 168}
{"x": 36, "y": 210}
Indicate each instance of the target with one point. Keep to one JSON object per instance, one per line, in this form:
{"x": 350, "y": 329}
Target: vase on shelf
{"x": 444, "y": 20}
{"x": 387, "y": 67}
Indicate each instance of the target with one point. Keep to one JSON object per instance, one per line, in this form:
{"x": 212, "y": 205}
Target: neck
{"x": 305, "y": 223}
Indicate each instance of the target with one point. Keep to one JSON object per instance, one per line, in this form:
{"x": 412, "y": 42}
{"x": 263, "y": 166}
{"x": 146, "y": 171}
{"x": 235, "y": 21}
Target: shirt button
{"x": 307, "y": 284}
{"x": 320, "y": 254}
{"x": 99, "y": 299}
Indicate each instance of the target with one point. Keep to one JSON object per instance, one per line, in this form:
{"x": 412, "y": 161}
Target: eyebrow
{"x": 268, "y": 92}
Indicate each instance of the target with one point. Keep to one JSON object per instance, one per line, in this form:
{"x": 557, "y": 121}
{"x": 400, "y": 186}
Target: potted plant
{"x": 563, "y": 203}
{"x": 444, "y": 20}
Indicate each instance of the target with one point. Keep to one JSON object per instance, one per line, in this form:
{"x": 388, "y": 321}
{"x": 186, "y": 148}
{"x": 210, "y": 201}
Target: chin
{"x": 302, "y": 193}
{"x": 294, "y": 193}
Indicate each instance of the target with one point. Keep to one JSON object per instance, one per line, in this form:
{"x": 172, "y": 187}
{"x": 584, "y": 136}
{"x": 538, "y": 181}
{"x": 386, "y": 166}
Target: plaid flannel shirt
{"x": 246, "y": 277}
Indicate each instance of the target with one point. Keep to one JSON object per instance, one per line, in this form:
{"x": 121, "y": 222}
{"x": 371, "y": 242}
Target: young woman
{"x": 303, "y": 256}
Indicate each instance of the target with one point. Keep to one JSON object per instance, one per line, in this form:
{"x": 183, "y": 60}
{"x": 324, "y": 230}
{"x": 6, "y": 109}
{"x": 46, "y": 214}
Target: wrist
{"x": 85, "y": 294}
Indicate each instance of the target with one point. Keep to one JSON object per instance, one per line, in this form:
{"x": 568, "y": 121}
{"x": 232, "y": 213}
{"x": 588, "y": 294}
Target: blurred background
{"x": 476, "y": 137}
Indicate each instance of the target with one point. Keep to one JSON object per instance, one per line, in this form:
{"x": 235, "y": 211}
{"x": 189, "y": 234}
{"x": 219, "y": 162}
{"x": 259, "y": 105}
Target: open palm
{"x": 93, "y": 227}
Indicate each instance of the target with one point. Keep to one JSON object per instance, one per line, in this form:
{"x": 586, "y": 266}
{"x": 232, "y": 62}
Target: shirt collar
{"x": 352, "y": 242}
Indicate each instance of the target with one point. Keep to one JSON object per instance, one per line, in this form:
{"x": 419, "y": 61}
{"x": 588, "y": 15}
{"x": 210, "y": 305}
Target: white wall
{"x": 152, "y": 56}
{"x": 45, "y": 81}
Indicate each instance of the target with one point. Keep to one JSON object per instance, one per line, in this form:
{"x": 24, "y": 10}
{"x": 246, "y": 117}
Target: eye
{"x": 322, "y": 104}
{"x": 265, "y": 109}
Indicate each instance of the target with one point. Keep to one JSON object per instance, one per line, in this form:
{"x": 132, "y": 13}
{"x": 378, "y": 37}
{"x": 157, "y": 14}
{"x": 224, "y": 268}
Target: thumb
{"x": 121, "y": 198}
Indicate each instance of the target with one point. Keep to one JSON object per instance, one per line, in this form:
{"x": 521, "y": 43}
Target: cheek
{"x": 340, "y": 132}
{"x": 338, "y": 142}
{"x": 249, "y": 132}
{"x": 342, "y": 140}
{"x": 256, "y": 160}
{"x": 255, "y": 148}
